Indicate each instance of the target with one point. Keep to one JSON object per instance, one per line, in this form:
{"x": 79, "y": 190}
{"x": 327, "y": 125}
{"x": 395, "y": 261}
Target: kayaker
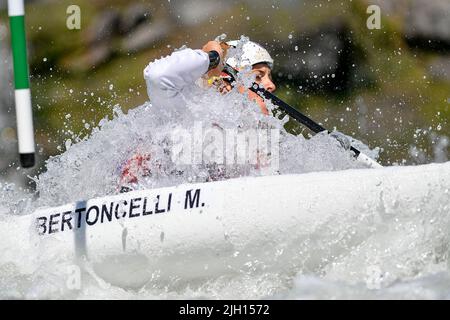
{"x": 168, "y": 78}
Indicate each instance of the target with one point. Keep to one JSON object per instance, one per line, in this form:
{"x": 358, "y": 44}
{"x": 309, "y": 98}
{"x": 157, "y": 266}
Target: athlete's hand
{"x": 216, "y": 46}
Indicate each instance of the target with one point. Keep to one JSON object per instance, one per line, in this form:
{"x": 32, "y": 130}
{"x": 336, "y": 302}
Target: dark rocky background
{"x": 389, "y": 87}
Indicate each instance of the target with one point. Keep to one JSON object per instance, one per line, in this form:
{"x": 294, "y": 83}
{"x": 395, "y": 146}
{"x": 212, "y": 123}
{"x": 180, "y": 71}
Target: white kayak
{"x": 194, "y": 231}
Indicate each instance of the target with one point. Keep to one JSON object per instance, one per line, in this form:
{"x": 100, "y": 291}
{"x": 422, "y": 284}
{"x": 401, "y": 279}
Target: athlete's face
{"x": 264, "y": 76}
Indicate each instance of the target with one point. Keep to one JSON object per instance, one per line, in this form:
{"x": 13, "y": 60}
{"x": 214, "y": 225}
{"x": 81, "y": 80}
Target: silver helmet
{"x": 253, "y": 53}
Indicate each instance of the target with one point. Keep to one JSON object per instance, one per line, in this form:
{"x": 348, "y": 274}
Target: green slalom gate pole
{"x": 24, "y": 114}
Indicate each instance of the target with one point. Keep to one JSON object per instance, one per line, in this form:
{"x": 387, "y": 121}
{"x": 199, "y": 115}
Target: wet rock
{"x": 192, "y": 12}
{"x": 93, "y": 57}
{"x": 145, "y": 36}
{"x": 428, "y": 24}
{"x": 391, "y": 8}
{"x": 133, "y": 16}
{"x": 319, "y": 59}
{"x": 439, "y": 68}
{"x": 105, "y": 26}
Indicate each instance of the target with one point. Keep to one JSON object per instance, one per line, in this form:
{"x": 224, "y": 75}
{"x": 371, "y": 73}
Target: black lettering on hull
{"x": 107, "y": 212}
{"x": 192, "y": 201}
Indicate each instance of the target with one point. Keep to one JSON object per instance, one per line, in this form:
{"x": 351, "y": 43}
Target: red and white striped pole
{"x": 24, "y": 114}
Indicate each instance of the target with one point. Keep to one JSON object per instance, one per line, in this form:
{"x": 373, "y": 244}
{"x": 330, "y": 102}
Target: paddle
{"x": 301, "y": 118}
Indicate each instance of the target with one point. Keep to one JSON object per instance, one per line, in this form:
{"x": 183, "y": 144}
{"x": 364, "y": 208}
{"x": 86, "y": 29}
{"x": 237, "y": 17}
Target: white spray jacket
{"x": 168, "y": 77}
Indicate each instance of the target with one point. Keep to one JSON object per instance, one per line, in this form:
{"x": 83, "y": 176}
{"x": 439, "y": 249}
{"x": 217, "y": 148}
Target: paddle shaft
{"x": 300, "y": 117}
{"x": 294, "y": 113}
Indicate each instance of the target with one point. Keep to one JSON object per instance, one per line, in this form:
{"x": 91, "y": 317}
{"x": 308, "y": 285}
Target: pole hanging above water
{"x": 24, "y": 114}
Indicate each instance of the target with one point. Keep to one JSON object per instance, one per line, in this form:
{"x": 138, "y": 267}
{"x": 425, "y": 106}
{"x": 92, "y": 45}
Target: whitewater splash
{"x": 91, "y": 167}
{"x": 375, "y": 268}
